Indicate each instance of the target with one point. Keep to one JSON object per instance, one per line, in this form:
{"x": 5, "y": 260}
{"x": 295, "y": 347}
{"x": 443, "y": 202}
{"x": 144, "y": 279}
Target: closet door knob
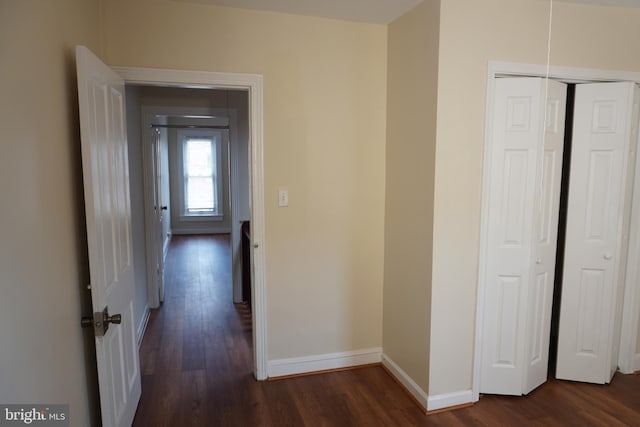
{"x": 607, "y": 256}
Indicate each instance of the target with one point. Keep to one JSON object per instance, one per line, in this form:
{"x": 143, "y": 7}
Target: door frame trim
{"x": 497, "y": 69}
{"x": 253, "y": 83}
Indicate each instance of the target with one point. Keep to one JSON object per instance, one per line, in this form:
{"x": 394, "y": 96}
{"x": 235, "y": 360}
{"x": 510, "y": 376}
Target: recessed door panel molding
{"x": 519, "y": 114}
{"x": 601, "y": 187}
{"x": 589, "y": 311}
{"x": 514, "y": 196}
{"x": 114, "y": 344}
{"x": 604, "y": 116}
{"x": 508, "y": 300}
{"x": 121, "y": 200}
{"x": 598, "y": 223}
{"x": 132, "y": 364}
{"x": 541, "y": 290}
{"x": 523, "y": 191}
{"x": 550, "y": 180}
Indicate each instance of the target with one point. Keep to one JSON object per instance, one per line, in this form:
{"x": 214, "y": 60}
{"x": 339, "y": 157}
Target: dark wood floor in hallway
{"x": 196, "y": 361}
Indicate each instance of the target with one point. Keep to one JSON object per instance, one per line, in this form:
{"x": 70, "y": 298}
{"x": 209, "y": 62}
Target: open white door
{"x": 108, "y": 212}
{"x": 600, "y": 184}
{"x": 524, "y": 192}
{"x": 160, "y": 209}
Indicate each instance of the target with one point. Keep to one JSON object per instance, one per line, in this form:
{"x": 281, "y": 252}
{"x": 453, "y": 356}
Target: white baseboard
{"x": 142, "y": 327}
{"x": 446, "y": 400}
{"x": 412, "y": 387}
{"x": 165, "y": 246}
{"x": 322, "y": 362}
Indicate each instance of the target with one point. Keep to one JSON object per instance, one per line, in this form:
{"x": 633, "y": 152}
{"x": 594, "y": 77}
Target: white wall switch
{"x": 283, "y": 197}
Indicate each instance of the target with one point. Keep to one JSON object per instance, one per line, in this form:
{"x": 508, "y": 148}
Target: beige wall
{"x": 473, "y": 33}
{"x": 410, "y": 155}
{"x": 43, "y": 258}
{"x": 596, "y": 37}
{"x": 324, "y": 139}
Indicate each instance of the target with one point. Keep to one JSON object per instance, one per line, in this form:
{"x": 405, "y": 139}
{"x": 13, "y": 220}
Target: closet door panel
{"x": 521, "y": 198}
{"x": 546, "y": 211}
{"x": 597, "y": 230}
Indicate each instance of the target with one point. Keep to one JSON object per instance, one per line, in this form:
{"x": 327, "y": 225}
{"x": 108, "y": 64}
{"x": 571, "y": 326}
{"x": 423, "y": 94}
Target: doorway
{"x": 170, "y": 120}
{"x": 511, "y": 285}
{"x": 252, "y": 84}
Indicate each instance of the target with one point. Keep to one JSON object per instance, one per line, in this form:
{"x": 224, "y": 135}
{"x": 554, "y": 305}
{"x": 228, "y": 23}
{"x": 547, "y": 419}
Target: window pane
{"x": 199, "y": 195}
{"x": 199, "y": 158}
{"x": 199, "y": 174}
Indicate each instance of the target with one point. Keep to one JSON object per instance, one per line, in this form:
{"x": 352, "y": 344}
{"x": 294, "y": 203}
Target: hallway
{"x": 196, "y": 354}
{"x": 196, "y": 363}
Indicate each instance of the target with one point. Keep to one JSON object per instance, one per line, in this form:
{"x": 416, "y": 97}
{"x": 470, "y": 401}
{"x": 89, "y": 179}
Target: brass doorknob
{"x": 100, "y": 321}
{"x": 116, "y": 318}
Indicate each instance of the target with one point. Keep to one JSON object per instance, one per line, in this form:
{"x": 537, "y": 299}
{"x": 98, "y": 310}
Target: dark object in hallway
{"x": 246, "y": 262}
{"x": 197, "y": 368}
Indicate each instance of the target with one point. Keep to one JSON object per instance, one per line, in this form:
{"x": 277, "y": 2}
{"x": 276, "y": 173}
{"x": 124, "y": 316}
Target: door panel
{"x": 158, "y": 217}
{"x": 547, "y": 204}
{"x": 523, "y": 196}
{"x": 597, "y": 230}
{"x": 163, "y": 211}
{"x": 629, "y": 358}
{"x": 108, "y": 216}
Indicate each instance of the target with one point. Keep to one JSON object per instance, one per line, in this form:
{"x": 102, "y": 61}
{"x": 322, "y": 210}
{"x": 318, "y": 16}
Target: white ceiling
{"x": 372, "y": 11}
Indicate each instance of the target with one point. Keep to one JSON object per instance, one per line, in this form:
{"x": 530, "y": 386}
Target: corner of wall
{"x": 412, "y": 76}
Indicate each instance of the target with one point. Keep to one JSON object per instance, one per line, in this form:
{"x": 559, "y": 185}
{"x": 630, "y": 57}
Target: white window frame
{"x": 216, "y": 138}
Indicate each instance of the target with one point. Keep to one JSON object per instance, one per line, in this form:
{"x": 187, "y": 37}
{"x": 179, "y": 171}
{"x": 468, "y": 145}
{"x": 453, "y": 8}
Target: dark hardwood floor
{"x": 196, "y": 361}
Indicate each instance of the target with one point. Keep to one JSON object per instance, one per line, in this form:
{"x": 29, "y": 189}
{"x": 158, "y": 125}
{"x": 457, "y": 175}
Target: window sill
{"x": 202, "y": 218}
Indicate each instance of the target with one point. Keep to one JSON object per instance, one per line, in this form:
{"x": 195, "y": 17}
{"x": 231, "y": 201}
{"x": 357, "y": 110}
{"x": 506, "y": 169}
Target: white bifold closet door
{"x": 524, "y": 191}
{"x": 600, "y": 188}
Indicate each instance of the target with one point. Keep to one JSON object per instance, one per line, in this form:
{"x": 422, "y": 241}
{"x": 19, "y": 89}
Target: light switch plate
{"x": 283, "y": 197}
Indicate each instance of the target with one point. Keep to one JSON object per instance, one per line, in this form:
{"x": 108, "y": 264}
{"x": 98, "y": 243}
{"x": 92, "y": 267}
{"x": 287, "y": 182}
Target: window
{"x": 200, "y": 165}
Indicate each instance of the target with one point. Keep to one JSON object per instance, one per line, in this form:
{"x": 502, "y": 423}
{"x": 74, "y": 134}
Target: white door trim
{"x": 254, "y": 84}
{"x": 499, "y": 69}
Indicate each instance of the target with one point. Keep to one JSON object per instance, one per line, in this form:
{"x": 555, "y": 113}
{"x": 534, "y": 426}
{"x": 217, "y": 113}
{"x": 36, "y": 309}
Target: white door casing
{"x": 108, "y": 216}
{"x": 253, "y": 83}
{"x": 598, "y": 218}
{"x": 523, "y": 192}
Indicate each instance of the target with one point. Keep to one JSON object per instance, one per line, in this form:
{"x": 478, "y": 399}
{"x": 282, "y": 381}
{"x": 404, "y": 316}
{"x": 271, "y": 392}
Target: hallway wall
{"x": 324, "y": 139}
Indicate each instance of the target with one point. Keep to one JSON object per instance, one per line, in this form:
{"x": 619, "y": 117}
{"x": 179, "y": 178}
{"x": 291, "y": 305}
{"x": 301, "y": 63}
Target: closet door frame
{"x": 497, "y": 69}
